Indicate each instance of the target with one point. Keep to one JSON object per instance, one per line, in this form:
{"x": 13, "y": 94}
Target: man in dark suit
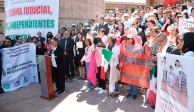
{"x": 42, "y": 39}
{"x": 112, "y": 24}
{"x": 167, "y": 48}
{"x": 67, "y": 43}
{"x": 58, "y": 65}
{"x": 63, "y": 31}
{"x": 139, "y": 31}
{"x": 103, "y": 24}
{"x": 81, "y": 28}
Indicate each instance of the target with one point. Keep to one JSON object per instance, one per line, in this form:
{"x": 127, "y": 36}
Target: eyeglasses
{"x": 7, "y": 41}
{"x": 110, "y": 21}
{"x": 147, "y": 36}
{"x": 73, "y": 26}
{"x": 163, "y": 13}
{"x": 133, "y": 24}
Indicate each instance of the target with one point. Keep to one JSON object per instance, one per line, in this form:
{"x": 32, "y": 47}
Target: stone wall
{"x": 76, "y": 11}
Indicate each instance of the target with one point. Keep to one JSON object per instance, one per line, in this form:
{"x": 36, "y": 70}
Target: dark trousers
{"x": 59, "y": 78}
{"x": 101, "y": 82}
{"x": 69, "y": 63}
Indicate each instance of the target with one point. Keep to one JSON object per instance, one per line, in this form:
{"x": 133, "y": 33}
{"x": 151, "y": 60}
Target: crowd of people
{"x": 151, "y": 26}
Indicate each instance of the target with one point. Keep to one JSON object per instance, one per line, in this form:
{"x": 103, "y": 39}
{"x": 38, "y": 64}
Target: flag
{"x": 106, "y": 56}
{"x": 171, "y": 2}
{"x": 151, "y": 92}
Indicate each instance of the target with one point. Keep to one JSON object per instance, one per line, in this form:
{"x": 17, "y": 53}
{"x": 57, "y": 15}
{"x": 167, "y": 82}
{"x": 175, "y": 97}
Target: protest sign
{"x": 135, "y": 65}
{"x": 19, "y": 67}
{"x": 26, "y": 17}
{"x": 175, "y": 84}
{"x": 184, "y": 25}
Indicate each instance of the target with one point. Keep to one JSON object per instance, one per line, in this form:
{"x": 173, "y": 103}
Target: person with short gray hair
{"x": 166, "y": 47}
{"x": 114, "y": 62}
{"x": 93, "y": 34}
{"x": 113, "y": 38}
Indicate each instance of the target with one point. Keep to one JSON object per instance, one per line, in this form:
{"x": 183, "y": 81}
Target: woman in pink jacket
{"x": 87, "y": 58}
{"x": 133, "y": 31}
{"x": 98, "y": 46}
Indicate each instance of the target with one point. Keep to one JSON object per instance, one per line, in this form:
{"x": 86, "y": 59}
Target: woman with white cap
{"x": 130, "y": 40}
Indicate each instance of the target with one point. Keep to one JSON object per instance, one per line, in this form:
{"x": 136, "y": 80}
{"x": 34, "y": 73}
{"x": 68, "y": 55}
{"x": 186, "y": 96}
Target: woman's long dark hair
{"x": 187, "y": 16}
{"x": 49, "y": 36}
{"x": 156, "y": 16}
{"x": 98, "y": 42}
{"x": 188, "y": 42}
{"x": 171, "y": 21}
{"x": 47, "y": 39}
{"x": 71, "y": 33}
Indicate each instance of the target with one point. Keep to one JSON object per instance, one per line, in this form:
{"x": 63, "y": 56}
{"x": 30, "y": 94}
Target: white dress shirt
{"x": 165, "y": 48}
{"x": 54, "y": 64}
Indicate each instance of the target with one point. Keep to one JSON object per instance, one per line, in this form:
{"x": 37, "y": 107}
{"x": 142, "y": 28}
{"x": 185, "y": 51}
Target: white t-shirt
{"x": 54, "y": 64}
{"x": 189, "y": 54}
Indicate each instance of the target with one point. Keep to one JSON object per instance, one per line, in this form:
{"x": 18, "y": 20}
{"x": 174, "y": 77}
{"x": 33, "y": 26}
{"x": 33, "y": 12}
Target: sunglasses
{"x": 73, "y": 26}
{"x": 147, "y": 36}
{"x": 7, "y": 41}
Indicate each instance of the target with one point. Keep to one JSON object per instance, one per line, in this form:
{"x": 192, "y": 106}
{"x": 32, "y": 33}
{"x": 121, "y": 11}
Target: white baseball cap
{"x": 126, "y": 14}
{"x": 130, "y": 36}
{"x": 85, "y": 24}
{"x": 73, "y": 24}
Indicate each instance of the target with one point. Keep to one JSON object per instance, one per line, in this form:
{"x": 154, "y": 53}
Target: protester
{"x": 58, "y": 36}
{"x": 173, "y": 32}
{"x": 139, "y": 31}
{"x": 29, "y": 39}
{"x": 130, "y": 40}
{"x": 148, "y": 35}
{"x": 39, "y": 49}
{"x": 188, "y": 44}
{"x": 103, "y": 36}
{"x": 120, "y": 30}
{"x": 166, "y": 26}
{"x": 93, "y": 34}
{"x": 165, "y": 46}
{"x": 89, "y": 31}
{"x": 42, "y": 39}
{"x": 133, "y": 31}
{"x": 86, "y": 58}
{"x": 34, "y": 40}
{"x": 178, "y": 41}
{"x": 18, "y": 41}
{"x": 67, "y": 43}
{"x": 80, "y": 51}
{"x": 58, "y": 65}
{"x": 48, "y": 45}
{"x": 98, "y": 45}
{"x": 125, "y": 35}
{"x": 8, "y": 43}
{"x": 114, "y": 62}
{"x": 154, "y": 50}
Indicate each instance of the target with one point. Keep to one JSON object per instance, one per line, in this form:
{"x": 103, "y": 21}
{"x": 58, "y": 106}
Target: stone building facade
{"x": 76, "y": 11}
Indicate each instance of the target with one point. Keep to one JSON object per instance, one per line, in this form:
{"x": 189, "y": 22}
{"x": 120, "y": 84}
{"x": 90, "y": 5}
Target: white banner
{"x": 184, "y": 25}
{"x": 175, "y": 92}
{"x": 27, "y": 17}
{"x": 19, "y": 67}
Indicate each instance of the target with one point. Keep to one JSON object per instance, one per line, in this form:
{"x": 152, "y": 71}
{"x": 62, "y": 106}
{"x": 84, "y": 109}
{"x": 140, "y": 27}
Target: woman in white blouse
{"x": 188, "y": 44}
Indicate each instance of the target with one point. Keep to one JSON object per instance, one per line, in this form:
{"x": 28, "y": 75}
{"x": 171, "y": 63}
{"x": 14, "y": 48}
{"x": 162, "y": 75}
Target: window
{"x": 1, "y": 27}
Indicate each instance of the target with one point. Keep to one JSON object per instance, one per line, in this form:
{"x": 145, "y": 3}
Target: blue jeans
{"x": 87, "y": 67}
{"x": 132, "y": 89}
{"x": 117, "y": 87}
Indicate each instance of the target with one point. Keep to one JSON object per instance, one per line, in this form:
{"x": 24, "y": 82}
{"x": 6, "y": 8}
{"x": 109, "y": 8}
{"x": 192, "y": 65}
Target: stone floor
{"x": 74, "y": 99}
